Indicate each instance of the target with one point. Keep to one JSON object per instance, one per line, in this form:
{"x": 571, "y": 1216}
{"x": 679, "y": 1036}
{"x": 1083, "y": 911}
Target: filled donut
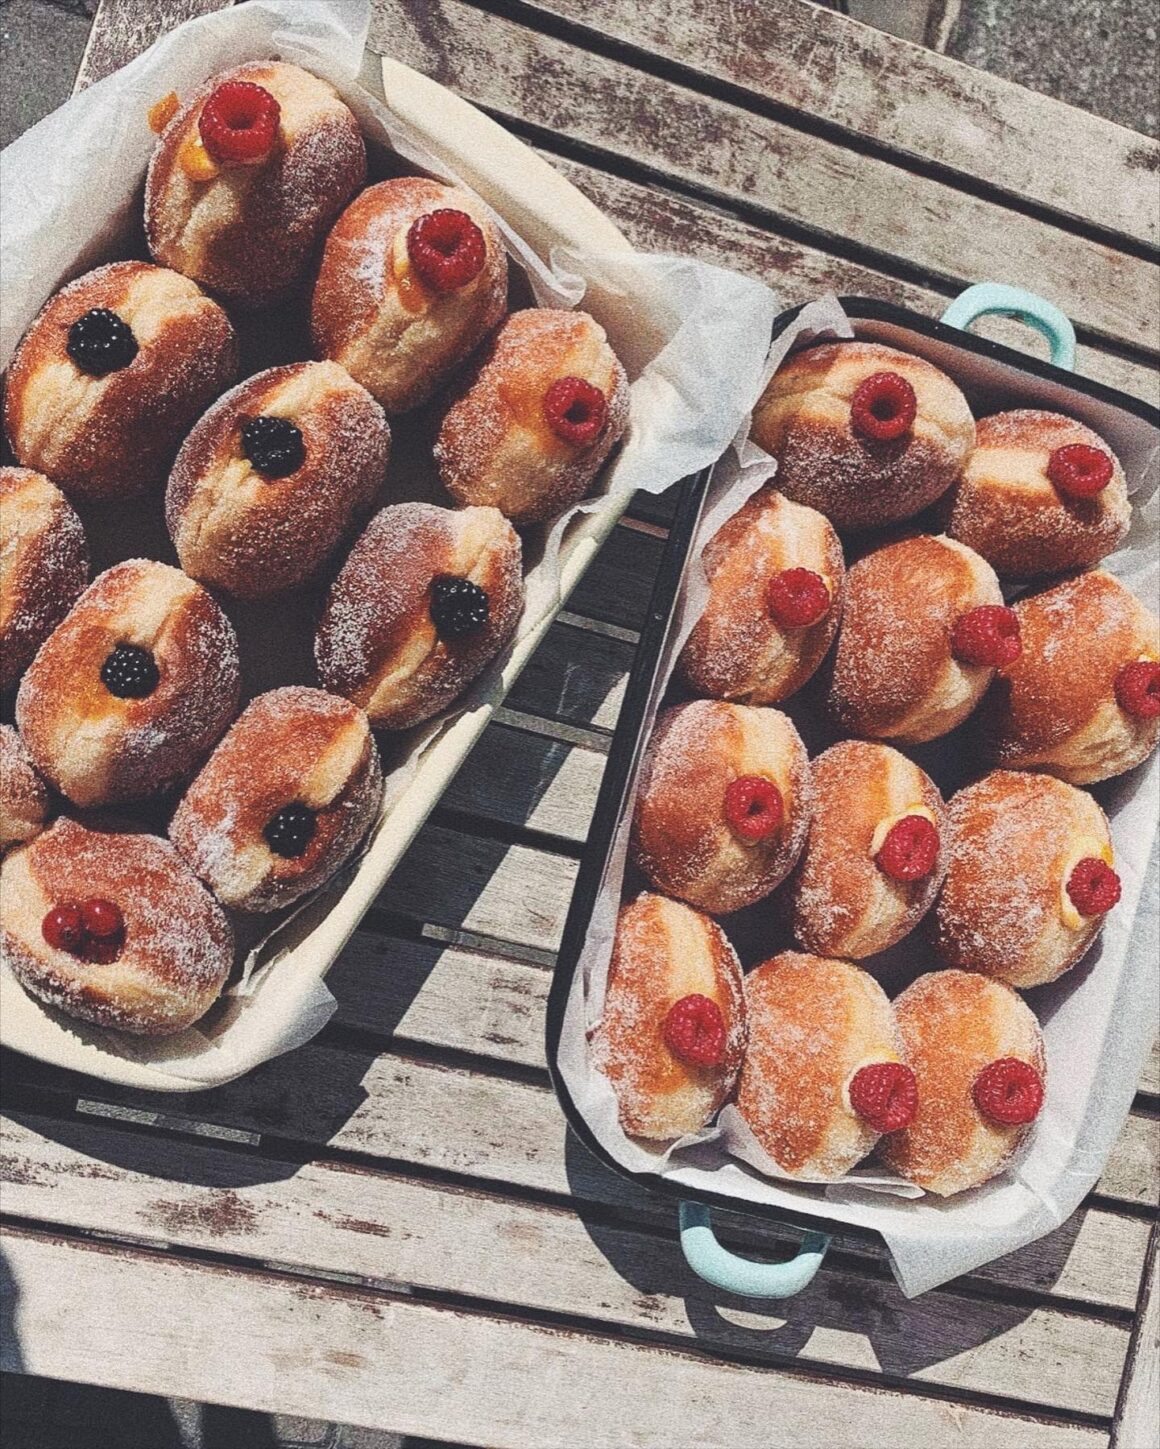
{"x": 24, "y": 804}
{"x": 111, "y": 376}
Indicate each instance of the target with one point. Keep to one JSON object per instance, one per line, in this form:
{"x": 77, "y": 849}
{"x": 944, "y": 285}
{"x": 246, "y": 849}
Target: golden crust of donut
{"x": 250, "y": 232}
{"x": 1055, "y": 708}
{"x": 115, "y": 436}
{"x": 1013, "y": 841}
{"x": 737, "y": 650}
{"x": 1006, "y": 508}
{"x": 495, "y": 446}
{"x": 253, "y": 536}
{"x": 664, "y": 951}
{"x": 178, "y": 944}
{"x": 98, "y": 749}
{"x": 373, "y": 314}
{"x": 377, "y": 644}
{"x": 44, "y": 566}
{"x": 839, "y": 903}
{"x": 813, "y": 1023}
{"x": 292, "y": 745}
{"x": 803, "y": 420}
{"x": 680, "y": 838}
{"x": 894, "y": 676}
{"x": 24, "y": 803}
{"x": 953, "y": 1024}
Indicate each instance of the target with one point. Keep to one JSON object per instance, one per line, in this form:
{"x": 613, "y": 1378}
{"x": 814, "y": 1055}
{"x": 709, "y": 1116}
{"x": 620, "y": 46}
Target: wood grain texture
{"x": 124, "y": 28}
{"x": 1137, "y": 1423}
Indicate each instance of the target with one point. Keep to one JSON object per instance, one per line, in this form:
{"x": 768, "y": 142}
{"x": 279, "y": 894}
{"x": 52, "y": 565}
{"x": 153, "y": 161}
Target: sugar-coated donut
{"x": 269, "y": 481}
{"x": 540, "y": 416}
{"x": 776, "y": 582}
{"x": 44, "y": 566}
{"x": 283, "y": 801}
{"x": 922, "y": 631}
{"x": 977, "y": 1053}
{"x": 247, "y": 177}
{"x": 724, "y": 804}
{"x": 672, "y": 1034}
{"x": 824, "y": 1074}
{"x": 1029, "y": 878}
{"x": 130, "y": 693}
{"x": 24, "y": 804}
{"x": 413, "y": 278}
{"x": 874, "y": 857}
{"x": 864, "y": 433}
{"x": 1082, "y": 701}
{"x": 111, "y": 375}
{"x": 113, "y": 928}
{"x": 427, "y": 598}
{"x": 1040, "y": 494}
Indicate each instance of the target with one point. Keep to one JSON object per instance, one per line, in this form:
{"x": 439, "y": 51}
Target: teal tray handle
{"x": 987, "y": 299}
{"x": 717, "y": 1265}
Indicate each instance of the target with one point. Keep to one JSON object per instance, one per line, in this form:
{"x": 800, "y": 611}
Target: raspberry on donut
{"x": 239, "y": 122}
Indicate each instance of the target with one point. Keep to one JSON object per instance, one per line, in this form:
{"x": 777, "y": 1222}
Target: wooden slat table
{"x": 392, "y": 1225}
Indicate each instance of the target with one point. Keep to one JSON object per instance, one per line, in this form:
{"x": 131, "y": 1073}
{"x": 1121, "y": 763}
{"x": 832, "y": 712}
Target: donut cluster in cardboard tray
{"x": 126, "y": 387}
{"x": 1008, "y": 882}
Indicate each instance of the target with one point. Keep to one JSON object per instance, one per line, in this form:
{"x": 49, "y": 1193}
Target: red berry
{"x": 883, "y": 407}
{"x": 987, "y": 635}
{"x": 753, "y": 807}
{"x": 1009, "y": 1092}
{"x": 1093, "y": 886}
{"x": 910, "y": 849}
{"x": 102, "y": 919}
{"x": 576, "y": 410}
{"x": 64, "y": 928}
{"x": 447, "y": 249}
{"x": 1080, "y": 470}
{"x": 885, "y": 1095}
{"x": 1138, "y": 688}
{"x": 239, "y": 123}
{"x": 694, "y": 1031}
{"x": 797, "y": 598}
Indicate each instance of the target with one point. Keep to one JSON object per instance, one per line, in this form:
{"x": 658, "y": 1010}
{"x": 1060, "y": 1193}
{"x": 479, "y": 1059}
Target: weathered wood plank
{"x": 528, "y": 779}
{"x": 124, "y": 28}
{"x": 576, "y": 675}
{"x": 1133, "y": 1170}
{"x": 1137, "y": 1423}
{"x": 1150, "y": 1081}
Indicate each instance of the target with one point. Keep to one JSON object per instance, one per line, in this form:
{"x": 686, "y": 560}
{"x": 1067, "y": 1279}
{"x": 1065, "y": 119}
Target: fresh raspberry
{"x": 239, "y": 123}
{"x": 576, "y": 410}
{"x": 910, "y": 849}
{"x": 447, "y": 249}
{"x": 885, "y": 1095}
{"x": 694, "y": 1031}
{"x": 64, "y": 928}
{"x": 1093, "y": 887}
{"x": 753, "y": 807}
{"x": 987, "y": 635}
{"x": 1080, "y": 470}
{"x": 1138, "y": 688}
{"x": 883, "y": 407}
{"x": 797, "y": 598}
{"x": 1009, "y": 1092}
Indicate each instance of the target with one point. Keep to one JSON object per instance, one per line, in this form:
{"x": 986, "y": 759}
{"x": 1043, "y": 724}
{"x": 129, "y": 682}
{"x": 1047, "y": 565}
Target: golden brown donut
{"x": 724, "y": 804}
{"x": 131, "y": 692}
{"x": 283, "y": 801}
{"x": 113, "y": 928}
{"x": 249, "y": 231}
{"x": 111, "y": 434}
{"x": 540, "y": 416}
{"x": 1082, "y": 701}
{"x": 816, "y": 422}
{"x": 672, "y": 1034}
{"x": 373, "y": 311}
{"x": 268, "y": 483}
{"x": 44, "y": 566}
{"x": 24, "y": 804}
{"x": 874, "y": 857}
{"x": 426, "y": 600}
{"x": 956, "y": 1025}
{"x": 776, "y": 582}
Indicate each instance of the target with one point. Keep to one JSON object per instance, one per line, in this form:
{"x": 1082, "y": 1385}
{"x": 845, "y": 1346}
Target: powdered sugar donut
{"x": 672, "y": 1034}
{"x": 24, "y": 803}
{"x": 130, "y": 693}
{"x": 111, "y": 927}
{"x": 541, "y": 415}
{"x": 413, "y": 278}
{"x": 724, "y": 804}
{"x": 776, "y": 582}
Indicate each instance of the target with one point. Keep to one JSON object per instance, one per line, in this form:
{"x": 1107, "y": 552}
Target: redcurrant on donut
{"x": 1138, "y": 688}
{"x": 64, "y": 929}
{"x": 1009, "y": 1092}
{"x": 885, "y": 1094}
{"x": 1093, "y": 887}
{"x": 883, "y": 407}
{"x": 910, "y": 850}
{"x": 447, "y": 249}
{"x": 797, "y": 598}
{"x": 576, "y": 410}
{"x": 753, "y": 807}
{"x": 987, "y": 635}
{"x": 1079, "y": 470}
{"x": 694, "y": 1031}
{"x": 239, "y": 123}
